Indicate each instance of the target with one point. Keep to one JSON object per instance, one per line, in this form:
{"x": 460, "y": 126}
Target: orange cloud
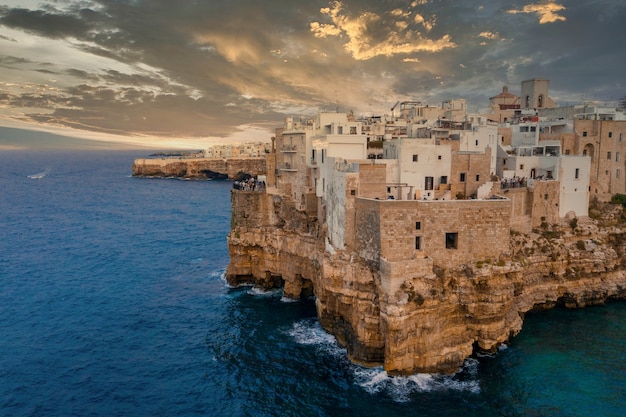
{"x": 489, "y": 35}
{"x": 547, "y": 12}
{"x": 364, "y": 42}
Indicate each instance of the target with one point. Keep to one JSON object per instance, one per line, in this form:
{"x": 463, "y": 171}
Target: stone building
{"x": 600, "y": 136}
{"x": 534, "y": 94}
{"x": 503, "y": 106}
{"x": 395, "y": 248}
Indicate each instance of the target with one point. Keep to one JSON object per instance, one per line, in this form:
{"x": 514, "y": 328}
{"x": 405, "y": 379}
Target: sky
{"x": 186, "y": 73}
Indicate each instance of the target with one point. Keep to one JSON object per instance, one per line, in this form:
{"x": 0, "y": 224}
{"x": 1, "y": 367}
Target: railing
{"x": 250, "y": 185}
{"x": 288, "y": 149}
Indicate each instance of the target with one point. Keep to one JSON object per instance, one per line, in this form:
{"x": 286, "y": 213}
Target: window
{"x": 521, "y": 166}
{"x": 313, "y": 155}
{"x": 462, "y": 179}
{"x": 428, "y": 183}
{"x": 439, "y": 157}
{"x": 608, "y": 155}
{"x": 323, "y": 153}
{"x": 418, "y": 242}
{"x": 418, "y": 225}
{"x": 610, "y": 134}
{"x": 353, "y": 130}
{"x": 616, "y": 156}
{"x": 617, "y": 173}
{"x": 452, "y": 240}
{"x": 584, "y": 134}
{"x": 414, "y": 158}
{"x": 477, "y": 177}
{"x": 476, "y": 142}
{"x": 545, "y": 196}
{"x": 621, "y": 137}
{"x": 340, "y": 130}
{"x": 576, "y": 174}
{"x": 567, "y": 152}
{"x": 444, "y": 179}
{"x": 352, "y": 192}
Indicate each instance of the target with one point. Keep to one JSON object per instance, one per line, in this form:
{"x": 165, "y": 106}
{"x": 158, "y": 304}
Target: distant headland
{"x": 232, "y": 162}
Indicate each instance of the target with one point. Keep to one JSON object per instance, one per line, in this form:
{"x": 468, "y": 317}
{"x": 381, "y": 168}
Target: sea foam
{"x": 375, "y": 380}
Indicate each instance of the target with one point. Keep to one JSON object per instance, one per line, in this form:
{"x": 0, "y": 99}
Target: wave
{"x": 399, "y": 388}
{"x": 375, "y": 380}
{"x": 38, "y": 176}
{"x": 261, "y": 292}
{"x": 310, "y": 332}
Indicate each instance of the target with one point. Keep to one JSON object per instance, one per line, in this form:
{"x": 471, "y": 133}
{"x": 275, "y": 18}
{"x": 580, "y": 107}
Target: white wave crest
{"x": 38, "y": 176}
{"x": 261, "y": 292}
{"x": 400, "y": 388}
{"x": 310, "y": 332}
{"x": 376, "y": 380}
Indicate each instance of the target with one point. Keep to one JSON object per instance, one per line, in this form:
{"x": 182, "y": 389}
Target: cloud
{"x": 547, "y": 12}
{"x": 41, "y": 22}
{"x": 369, "y": 34}
{"x": 489, "y": 35}
{"x": 200, "y": 69}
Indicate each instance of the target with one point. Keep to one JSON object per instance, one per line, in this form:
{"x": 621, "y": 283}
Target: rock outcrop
{"x": 199, "y": 168}
{"x": 432, "y": 322}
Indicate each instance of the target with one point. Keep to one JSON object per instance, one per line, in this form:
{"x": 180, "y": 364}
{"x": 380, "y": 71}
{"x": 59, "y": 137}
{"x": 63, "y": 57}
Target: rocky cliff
{"x": 198, "y": 168}
{"x": 431, "y": 323}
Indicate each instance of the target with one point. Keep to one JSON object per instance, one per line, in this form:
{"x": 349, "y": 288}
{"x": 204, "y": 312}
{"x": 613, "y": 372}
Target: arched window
{"x": 588, "y": 150}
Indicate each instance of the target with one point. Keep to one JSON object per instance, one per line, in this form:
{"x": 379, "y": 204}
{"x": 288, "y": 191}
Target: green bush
{"x": 619, "y": 199}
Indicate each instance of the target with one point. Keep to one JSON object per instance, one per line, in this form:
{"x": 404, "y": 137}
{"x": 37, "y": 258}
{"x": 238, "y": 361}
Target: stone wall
{"x": 372, "y": 181}
{"x": 471, "y": 165}
{"x": 544, "y": 196}
{"x": 480, "y": 227}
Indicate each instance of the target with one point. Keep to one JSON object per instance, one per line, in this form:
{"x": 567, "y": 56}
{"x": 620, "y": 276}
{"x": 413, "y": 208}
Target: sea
{"x": 113, "y": 303}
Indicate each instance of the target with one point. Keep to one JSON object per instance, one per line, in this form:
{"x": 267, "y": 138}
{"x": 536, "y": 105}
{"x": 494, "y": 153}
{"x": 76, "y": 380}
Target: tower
{"x": 535, "y": 94}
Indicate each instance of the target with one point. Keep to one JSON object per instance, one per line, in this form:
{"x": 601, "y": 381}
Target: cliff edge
{"x": 415, "y": 315}
{"x": 199, "y": 168}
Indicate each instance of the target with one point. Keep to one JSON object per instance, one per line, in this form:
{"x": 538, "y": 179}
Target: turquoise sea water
{"x": 113, "y": 303}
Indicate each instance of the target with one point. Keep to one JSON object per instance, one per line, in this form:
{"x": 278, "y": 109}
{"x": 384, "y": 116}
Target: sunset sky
{"x": 185, "y": 73}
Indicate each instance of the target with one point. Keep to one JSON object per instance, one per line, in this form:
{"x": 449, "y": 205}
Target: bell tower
{"x": 535, "y": 94}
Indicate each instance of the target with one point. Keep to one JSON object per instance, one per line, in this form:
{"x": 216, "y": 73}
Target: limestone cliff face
{"x": 433, "y": 322}
{"x": 198, "y": 168}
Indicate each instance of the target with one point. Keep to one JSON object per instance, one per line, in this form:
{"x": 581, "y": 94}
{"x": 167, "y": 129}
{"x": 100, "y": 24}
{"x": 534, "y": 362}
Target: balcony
{"x": 287, "y": 167}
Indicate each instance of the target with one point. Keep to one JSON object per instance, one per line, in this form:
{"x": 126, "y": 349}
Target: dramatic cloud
{"x": 369, "y": 34}
{"x": 163, "y": 68}
{"x": 547, "y": 12}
